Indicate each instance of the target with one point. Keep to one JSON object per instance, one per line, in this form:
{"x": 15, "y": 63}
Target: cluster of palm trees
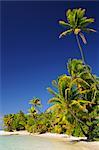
{"x": 77, "y": 99}
{"x": 75, "y": 102}
{"x": 78, "y": 94}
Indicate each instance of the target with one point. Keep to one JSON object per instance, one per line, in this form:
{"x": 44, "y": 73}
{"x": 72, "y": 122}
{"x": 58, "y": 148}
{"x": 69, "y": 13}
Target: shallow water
{"x": 17, "y": 142}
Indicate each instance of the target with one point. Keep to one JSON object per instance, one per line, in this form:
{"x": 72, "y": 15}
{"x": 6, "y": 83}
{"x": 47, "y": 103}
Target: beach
{"x": 65, "y": 139}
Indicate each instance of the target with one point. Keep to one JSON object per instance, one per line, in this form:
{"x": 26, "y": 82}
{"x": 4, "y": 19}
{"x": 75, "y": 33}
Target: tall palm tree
{"x": 77, "y": 23}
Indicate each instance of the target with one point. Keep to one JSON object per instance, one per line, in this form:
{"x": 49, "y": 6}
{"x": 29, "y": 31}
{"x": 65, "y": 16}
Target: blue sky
{"x": 32, "y": 55}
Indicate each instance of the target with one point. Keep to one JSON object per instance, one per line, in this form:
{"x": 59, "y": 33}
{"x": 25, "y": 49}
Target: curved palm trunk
{"x": 78, "y": 118}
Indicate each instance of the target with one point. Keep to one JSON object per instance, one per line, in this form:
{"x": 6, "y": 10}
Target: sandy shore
{"x": 83, "y": 145}
{"x": 49, "y": 135}
{"x": 14, "y": 133}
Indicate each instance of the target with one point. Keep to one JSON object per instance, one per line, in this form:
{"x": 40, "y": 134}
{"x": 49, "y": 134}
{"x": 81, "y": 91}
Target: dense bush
{"x": 15, "y": 121}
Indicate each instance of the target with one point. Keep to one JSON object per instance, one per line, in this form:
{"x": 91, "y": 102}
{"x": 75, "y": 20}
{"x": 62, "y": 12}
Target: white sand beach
{"x": 62, "y": 137}
{"x": 47, "y": 135}
{"x": 14, "y": 133}
{"x": 84, "y": 145}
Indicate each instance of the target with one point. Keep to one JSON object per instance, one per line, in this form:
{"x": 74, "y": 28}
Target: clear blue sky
{"x": 32, "y": 53}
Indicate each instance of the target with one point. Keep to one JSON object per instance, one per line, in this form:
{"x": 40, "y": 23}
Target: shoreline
{"x": 4, "y": 133}
{"x": 46, "y": 135}
{"x": 60, "y": 137}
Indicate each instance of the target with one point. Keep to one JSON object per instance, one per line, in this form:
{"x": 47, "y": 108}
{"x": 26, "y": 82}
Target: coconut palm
{"x": 36, "y": 103}
{"x": 77, "y": 23}
{"x": 8, "y": 122}
{"x": 32, "y": 111}
{"x": 76, "y": 97}
{"x": 67, "y": 99}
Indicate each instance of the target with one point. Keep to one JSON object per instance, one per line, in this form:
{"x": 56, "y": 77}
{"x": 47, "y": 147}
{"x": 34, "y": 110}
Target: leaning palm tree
{"x": 68, "y": 98}
{"x": 77, "y": 23}
{"x": 76, "y": 98}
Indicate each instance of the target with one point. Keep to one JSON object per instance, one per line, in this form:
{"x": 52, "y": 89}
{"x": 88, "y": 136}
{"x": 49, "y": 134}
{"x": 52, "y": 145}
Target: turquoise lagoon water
{"x": 17, "y": 142}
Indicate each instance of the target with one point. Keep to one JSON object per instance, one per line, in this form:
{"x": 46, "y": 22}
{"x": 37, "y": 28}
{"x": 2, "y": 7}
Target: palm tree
{"x": 67, "y": 99}
{"x": 8, "y": 122}
{"x": 32, "y": 111}
{"x": 36, "y": 103}
{"x": 76, "y": 97}
{"x": 77, "y": 23}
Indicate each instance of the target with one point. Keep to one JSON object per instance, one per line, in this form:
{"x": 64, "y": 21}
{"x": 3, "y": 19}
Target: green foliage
{"x": 40, "y": 124}
{"x": 14, "y": 121}
{"x": 36, "y": 105}
{"x": 77, "y": 100}
{"x": 19, "y": 121}
{"x": 76, "y": 23}
{"x": 74, "y": 106}
{"x": 8, "y": 122}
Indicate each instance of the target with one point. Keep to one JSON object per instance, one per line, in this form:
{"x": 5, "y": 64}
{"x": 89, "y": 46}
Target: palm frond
{"x": 54, "y": 100}
{"x": 85, "y": 101}
{"x": 54, "y": 83}
{"x": 84, "y": 91}
{"x": 65, "y": 33}
{"x": 83, "y": 19}
{"x": 66, "y": 93}
{"x": 52, "y": 92}
{"x": 53, "y": 107}
{"x": 86, "y": 22}
{"x": 81, "y": 103}
{"x": 64, "y": 24}
{"x": 83, "y": 38}
{"x": 80, "y": 12}
{"x": 88, "y": 30}
{"x": 63, "y": 84}
{"x": 77, "y": 103}
{"x": 68, "y": 12}
{"x": 81, "y": 82}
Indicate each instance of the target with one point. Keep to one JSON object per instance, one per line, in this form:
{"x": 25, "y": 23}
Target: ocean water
{"x": 18, "y": 142}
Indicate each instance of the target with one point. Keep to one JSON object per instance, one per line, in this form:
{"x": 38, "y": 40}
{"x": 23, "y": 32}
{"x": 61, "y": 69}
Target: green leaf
{"x": 54, "y": 83}
{"x": 64, "y": 24}
{"x": 80, "y": 12}
{"x": 80, "y": 81}
{"x": 68, "y": 12}
{"x": 65, "y": 33}
{"x": 86, "y": 22}
{"x": 53, "y": 107}
{"x": 52, "y": 92}
{"x": 54, "y": 100}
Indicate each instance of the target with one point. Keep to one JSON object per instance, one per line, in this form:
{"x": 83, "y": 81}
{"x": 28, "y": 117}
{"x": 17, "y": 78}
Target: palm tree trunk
{"x": 80, "y": 48}
{"x": 82, "y": 55}
{"x": 83, "y": 130}
{"x": 80, "y": 121}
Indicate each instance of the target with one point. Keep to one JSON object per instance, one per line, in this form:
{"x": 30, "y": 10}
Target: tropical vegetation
{"x": 74, "y": 105}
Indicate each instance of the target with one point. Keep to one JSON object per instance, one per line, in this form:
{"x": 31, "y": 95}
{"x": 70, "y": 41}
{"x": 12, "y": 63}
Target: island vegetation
{"x": 74, "y": 106}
